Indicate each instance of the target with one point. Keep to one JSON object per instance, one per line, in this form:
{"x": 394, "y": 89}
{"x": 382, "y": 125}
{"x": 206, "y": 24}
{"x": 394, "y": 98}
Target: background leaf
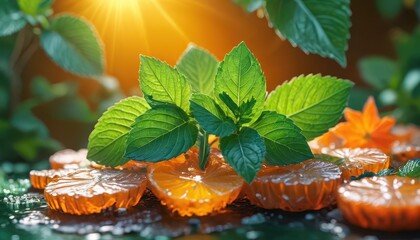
{"x": 34, "y": 7}
{"x": 204, "y": 146}
{"x": 283, "y": 139}
{"x": 244, "y": 151}
{"x": 11, "y": 19}
{"x": 389, "y": 8}
{"x": 377, "y": 71}
{"x": 200, "y": 68}
{"x": 107, "y": 141}
{"x": 410, "y": 169}
{"x": 250, "y": 5}
{"x": 210, "y": 116}
{"x": 315, "y": 103}
{"x": 74, "y": 45}
{"x": 161, "y": 133}
{"x": 241, "y": 77}
{"x": 160, "y": 82}
{"x": 316, "y": 26}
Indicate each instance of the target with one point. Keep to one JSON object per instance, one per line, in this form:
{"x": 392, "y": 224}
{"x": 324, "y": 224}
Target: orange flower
{"x": 366, "y": 129}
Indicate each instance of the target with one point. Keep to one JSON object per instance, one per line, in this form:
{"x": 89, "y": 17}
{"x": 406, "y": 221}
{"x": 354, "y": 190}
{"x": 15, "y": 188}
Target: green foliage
{"x": 163, "y": 84}
{"x": 210, "y": 116}
{"x": 11, "y": 19}
{"x": 367, "y": 174}
{"x": 200, "y": 68}
{"x": 316, "y": 26}
{"x": 161, "y": 133}
{"x": 395, "y": 83}
{"x": 241, "y": 78}
{"x": 244, "y": 151}
{"x": 234, "y": 112}
{"x": 314, "y": 103}
{"x": 73, "y": 44}
{"x": 410, "y": 169}
{"x": 283, "y": 139}
{"x": 35, "y": 7}
{"x": 107, "y": 140}
{"x": 389, "y": 8}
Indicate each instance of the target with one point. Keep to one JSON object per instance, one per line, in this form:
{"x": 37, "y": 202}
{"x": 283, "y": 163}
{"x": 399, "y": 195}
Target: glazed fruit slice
{"x": 309, "y": 185}
{"x": 87, "y": 191}
{"x": 184, "y": 188}
{"x": 40, "y": 178}
{"x": 388, "y": 203}
{"x": 403, "y": 152}
{"x": 355, "y": 161}
{"x": 69, "y": 159}
{"x": 327, "y": 140}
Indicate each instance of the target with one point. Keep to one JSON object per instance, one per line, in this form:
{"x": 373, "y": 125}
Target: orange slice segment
{"x": 69, "y": 159}
{"x": 388, "y": 203}
{"x": 309, "y": 185}
{"x": 87, "y": 191}
{"x": 184, "y": 188}
{"x": 355, "y": 161}
{"x": 403, "y": 152}
{"x": 40, "y": 178}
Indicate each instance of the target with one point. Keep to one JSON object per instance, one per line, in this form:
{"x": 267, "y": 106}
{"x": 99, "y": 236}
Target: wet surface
{"x": 26, "y": 216}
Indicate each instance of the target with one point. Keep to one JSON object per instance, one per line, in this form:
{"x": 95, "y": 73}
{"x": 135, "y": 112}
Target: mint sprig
{"x": 233, "y": 110}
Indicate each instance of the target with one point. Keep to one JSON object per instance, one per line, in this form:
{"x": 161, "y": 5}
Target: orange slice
{"x": 87, "y": 191}
{"x": 355, "y": 161}
{"x": 388, "y": 203}
{"x": 309, "y": 185}
{"x": 184, "y": 188}
{"x": 40, "y": 178}
{"x": 327, "y": 140}
{"x": 403, "y": 152}
{"x": 69, "y": 159}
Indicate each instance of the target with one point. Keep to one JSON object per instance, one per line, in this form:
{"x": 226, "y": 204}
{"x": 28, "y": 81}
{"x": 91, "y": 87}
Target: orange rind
{"x": 184, "y": 188}
{"x": 388, "y": 203}
{"x": 310, "y": 185}
{"x": 40, "y": 178}
{"x": 69, "y": 159}
{"x": 355, "y": 161}
{"x": 88, "y": 191}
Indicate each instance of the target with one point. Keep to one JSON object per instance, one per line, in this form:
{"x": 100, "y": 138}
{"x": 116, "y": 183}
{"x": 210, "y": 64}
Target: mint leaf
{"x": 12, "y": 20}
{"x": 162, "y": 83}
{"x": 200, "y": 68}
{"x": 410, "y": 169}
{"x": 243, "y": 114}
{"x": 283, "y": 139}
{"x": 204, "y": 147}
{"x": 377, "y": 71}
{"x": 161, "y": 133}
{"x": 250, "y": 5}
{"x": 315, "y": 103}
{"x": 367, "y": 174}
{"x": 73, "y": 44}
{"x": 34, "y": 7}
{"x": 210, "y": 116}
{"x": 318, "y": 26}
{"x": 244, "y": 151}
{"x": 107, "y": 141}
{"x": 241, "y": 77}
{"x": 231, "y": 105}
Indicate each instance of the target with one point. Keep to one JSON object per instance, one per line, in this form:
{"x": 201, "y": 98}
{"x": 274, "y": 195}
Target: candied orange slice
{"x": 327, "y": 140}
{"x": 40, "y": 178}
{"x": 69, "y": 159}
{"x": 355, "y": 161}
{"x": 403, "y": 152}
{"x": 309, "y": 185}
{"x": 388, "y": 203}
{"x": 87, "y": 191}
{"x": 184, "y": 188}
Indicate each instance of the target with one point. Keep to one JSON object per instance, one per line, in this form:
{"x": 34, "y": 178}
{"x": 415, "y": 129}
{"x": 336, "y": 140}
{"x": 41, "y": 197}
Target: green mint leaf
{"x": 200, "y": 68}
{"x": 241, "y": 77}
{"x": 283, "y": 139}
{"x": 12, "y": 20}
{"x": 315, "y": 103}
{"x": 410, "y": 169}
{"x": 204, "y": 147}
{"x": 231, "y": 105}
{"x": 161, "y": 133}
{"x": 245, "y": 111}
{"x": 34, "y": 7}
{"x": 107, "y": 141}
{"x": 73, "y": 44}
{"x": 382, "y": 173}
{"x": 210, "y": 116}
{"x": 250, "y": 5}
{"x": 162, "y": 83}
{"x": 244, "y": 151}
{"x": 377, "y": 71}
{"x": 319, "y": 26}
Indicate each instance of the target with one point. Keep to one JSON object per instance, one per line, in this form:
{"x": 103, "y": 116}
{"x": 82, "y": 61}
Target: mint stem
{"x": 204, "y": 147}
